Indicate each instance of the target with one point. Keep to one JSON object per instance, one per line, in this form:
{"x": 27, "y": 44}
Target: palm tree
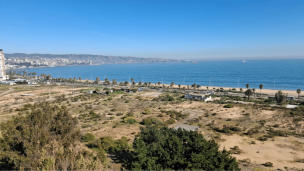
{"x": 207, "y": 88}
{"x": 133, "y": 84}
{"x": 299, "y": 92}
{"x": 188, "y": 87}
{"x": 149, "y": 84}
{"x": 241, "y": 89}
{"x": 106, "y": 82}
{"x": 253, "y": 91}
{"x": 97, "y": 80}
{"x": 139, "y": 83}
{"x": 79, "y": 79}
{"x": 198, "y": 86}
{"x": 132, "y": 80}
{"x": 158, "y": 83}
{"x": 261, "y": 87}
{"x": 247, "y": 85}
{"x": 114, "y": 82}
{"x": 172, "y": 84}
{"x": 194, "y": 85}
{"x": 179, "y": 86}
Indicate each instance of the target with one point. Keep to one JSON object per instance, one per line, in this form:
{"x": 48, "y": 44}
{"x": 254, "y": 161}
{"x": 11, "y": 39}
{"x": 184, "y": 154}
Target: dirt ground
{"x": 281, "y": 151}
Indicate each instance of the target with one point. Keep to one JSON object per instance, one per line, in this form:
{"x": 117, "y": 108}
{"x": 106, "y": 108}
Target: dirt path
{"x": 10, "y": 89}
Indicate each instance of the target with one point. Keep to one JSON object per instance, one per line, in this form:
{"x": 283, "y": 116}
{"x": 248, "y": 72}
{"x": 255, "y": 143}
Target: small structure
{"x": 187, "y": 127}
{"x": 291, "y": 106}
{"x": 8, "y": 82}
{"x": 198, "y": 97}
{"x": 287, "y": 98}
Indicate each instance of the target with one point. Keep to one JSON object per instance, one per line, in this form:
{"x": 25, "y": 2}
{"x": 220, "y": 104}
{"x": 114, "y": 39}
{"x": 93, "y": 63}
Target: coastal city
{"x": 22, "y": 61}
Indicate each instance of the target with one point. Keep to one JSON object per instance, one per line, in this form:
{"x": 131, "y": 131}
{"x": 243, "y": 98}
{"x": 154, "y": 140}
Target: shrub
{"x": 195, "y": 154}
{"x": 127, "y": 101}
{"x": 147, "y": 111}
{"x": 268, "y": 164}
{"x": 228, "y": 106}
{"x": 151, "y": 121}
{"x": 88, "y": 137}
{"x": 171, "y": 121}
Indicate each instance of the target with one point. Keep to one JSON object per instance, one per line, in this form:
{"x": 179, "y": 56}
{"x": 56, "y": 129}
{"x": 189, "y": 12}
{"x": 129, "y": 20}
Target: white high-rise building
{"x": 3, "y": 75}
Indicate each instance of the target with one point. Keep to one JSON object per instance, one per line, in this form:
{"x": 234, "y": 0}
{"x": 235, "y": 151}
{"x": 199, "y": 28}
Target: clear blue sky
{"x": 187, "y": 29}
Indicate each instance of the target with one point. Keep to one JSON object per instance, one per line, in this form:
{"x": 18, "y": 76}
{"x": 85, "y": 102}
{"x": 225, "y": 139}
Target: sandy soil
{"x": 281, "y": 152}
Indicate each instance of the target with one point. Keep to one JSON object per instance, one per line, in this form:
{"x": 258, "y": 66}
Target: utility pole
{"x": 274, "y": 84}
{"x": 239, "y": 83}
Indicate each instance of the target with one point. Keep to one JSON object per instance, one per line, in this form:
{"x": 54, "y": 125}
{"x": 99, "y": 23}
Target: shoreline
{"x": 270, "y": 92}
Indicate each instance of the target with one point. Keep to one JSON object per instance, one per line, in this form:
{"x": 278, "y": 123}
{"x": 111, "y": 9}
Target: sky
{"x": 174, "y": 29}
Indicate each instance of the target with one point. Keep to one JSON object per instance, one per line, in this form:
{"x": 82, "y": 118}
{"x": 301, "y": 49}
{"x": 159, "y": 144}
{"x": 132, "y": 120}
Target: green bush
{"x": 171, "y": 121}
{"x": 88, "y": 137}
{"x": 170, "y": 149}
{"x": 228, "y": 106}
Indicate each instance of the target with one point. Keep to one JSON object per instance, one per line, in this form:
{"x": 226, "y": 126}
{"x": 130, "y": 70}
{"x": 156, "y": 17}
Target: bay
{"x": 273, "y": 74}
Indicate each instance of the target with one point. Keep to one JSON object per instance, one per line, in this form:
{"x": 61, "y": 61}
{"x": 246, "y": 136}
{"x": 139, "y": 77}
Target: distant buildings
{"x": 3, "y": 76}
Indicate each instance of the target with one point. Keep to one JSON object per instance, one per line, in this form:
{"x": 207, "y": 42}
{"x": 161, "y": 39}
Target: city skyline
{"x": 196, "y": 30}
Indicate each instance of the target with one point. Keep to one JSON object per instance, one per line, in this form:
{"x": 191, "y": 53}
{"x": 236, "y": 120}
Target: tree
{"x": 132, "y": 80}
{"x": 184, "y": 88}
{"x": 248, "y": 93}
{"x": 140, "y": 83}
{"x": 106, "y": 82}
{"x": 158, "y": 83}
{"x": 188, "y": 87}
{"x": 79, "y": 78}
{"x": 194, "y": 85}
{"x": 217, "y": 91}
{"x": 145, "y": 84}
{"x": 261, "y": 87}
{"x": 179, "y": 86}
{"x": 172, "y": 84}
{"x": 207, "y": 88}
{"x": 126, "y": 83}
{"x": 253, "y": 92}
{"x": 97, "y": 80}
{"x": 149, "y": 84}
{"x": 299, "y": 92}
{"x": 247, "y": 85}
{"x": 198, "y": 87}
{"x": 280, "y": 97}
{"x": 241, "y": 89}
{"x": 114, "y": 82}
{"x": 170, "y": 149}
{"x": 46, "y": 139}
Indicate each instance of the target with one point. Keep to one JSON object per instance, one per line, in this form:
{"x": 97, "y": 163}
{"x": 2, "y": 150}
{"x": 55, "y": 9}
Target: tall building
{"x": 3, "y": 76}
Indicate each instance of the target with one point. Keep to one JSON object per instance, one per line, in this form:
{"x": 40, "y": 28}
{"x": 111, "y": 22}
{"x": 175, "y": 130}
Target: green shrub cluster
{"x": 151, "y": 121}
{"x": 44, "y": 140}
{"x": 176, "y": 115}
{"x": 88, "y": 137}
{"x": 110, "y": 145}
{"x": 228, "y": 106}
{"x": 170, "y": 149}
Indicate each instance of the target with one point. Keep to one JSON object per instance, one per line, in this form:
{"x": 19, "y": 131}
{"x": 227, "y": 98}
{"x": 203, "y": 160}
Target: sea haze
{"x": 273, "y": 74}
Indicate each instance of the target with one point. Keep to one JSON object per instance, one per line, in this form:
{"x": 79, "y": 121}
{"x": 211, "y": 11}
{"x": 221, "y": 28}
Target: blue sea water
{"x": 273, "y": 74}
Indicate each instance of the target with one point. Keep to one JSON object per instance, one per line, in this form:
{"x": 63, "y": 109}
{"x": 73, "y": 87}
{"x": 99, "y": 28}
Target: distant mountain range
{"x": 101, "y": 59}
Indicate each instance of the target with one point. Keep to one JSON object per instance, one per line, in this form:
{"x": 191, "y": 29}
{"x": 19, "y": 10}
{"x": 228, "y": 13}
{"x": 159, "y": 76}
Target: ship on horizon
{"x": 244, "y": 61}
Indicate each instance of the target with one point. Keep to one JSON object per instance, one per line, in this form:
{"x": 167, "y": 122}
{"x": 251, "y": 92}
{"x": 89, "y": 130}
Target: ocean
{"x": 273, "y": 74}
